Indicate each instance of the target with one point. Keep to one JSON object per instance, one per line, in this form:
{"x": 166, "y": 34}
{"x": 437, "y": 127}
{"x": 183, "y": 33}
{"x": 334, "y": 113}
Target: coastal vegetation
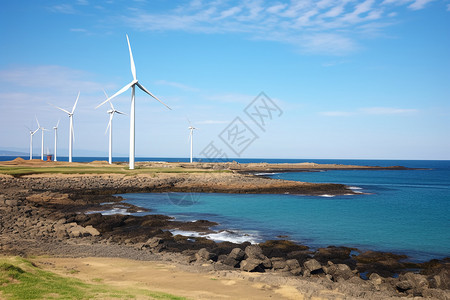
{"x": 19, "y": 170}
{"x": 22, "y": 279}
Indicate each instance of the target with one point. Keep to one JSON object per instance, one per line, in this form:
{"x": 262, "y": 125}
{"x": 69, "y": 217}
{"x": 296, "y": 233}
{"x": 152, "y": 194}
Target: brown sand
{"x": 168, "y": 278}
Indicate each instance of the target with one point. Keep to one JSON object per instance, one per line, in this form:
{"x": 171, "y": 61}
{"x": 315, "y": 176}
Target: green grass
{"x": 20, "y": 279}
{"x": 18, "y": 171}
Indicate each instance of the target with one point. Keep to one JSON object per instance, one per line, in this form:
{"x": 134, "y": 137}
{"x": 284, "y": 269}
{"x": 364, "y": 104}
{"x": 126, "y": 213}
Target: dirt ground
{"x": 163, "y": 277}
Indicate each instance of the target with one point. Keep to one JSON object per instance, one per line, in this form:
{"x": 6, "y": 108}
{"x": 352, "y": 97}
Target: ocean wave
{"x": 113, "y": 211}
{"x": 222, "y": 236}
{"x": 327, "y": 196}
{"x": 355, "y": 188}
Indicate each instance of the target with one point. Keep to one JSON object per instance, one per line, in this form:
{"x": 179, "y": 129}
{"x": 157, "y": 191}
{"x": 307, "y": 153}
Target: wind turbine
{"x": 191, "y": 136}
{"x": 42, "y": 136}
{"x": 56, "y": 138}
{"x": 31, "y": 141}
{"x": 71, "y": 137}
{"x": 132, "y": 84}
{"x": 111, "y": 113}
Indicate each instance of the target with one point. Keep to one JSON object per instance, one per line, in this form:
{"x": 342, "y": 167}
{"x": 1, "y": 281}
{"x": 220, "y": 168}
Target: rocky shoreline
{"x": 47, "y": 215}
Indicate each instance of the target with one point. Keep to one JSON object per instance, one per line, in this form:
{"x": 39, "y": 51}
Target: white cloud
{"x": 50, "y": 77}
{"x": 178, "y": 85}
{"x": 63, "y": 9}
{"x": 336, "y": 113}
{"x": 326, "y": 26}
{"x": 419, "y": 4}
{"x": 387, "y": 110}
{"x": 78, "y": 30}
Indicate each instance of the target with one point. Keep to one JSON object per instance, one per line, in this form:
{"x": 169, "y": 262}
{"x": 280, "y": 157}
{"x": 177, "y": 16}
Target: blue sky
{"x": 353, "y": 79}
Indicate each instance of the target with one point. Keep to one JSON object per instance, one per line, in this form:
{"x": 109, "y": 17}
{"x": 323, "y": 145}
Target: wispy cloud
{"x": 177, "y": 85}
{"x": 387, "y": 110}
{"x": 327, "y": 26}
{"x": 50, "y": 77}
{"x": 371, "y": 111}
{"x": 336, "y": 113}
{"x": 63, "y": 9}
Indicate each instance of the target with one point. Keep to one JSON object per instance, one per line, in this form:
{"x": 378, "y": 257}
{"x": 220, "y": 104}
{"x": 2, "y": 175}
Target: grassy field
{"x": 18, "y": 171}
{"x": 21, "y": 279}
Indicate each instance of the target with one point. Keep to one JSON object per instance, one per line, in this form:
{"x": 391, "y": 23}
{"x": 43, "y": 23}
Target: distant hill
{"x": 12, "y": 153}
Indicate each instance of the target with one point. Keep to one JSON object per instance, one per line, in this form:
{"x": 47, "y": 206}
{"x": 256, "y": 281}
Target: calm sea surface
{"x": 403, "y": 212}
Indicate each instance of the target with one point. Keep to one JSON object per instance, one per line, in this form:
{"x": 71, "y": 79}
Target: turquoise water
{"x": 406, "y": 211}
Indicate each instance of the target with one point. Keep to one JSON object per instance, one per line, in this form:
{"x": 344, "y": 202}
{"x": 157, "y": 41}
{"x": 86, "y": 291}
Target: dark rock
{"x": 413, "y": 284}
{"x": 237, "y": 254}
{"x": 254, "y": 251}
{"x": 267, "y": 263}
{"x": 293, "y": 266}
{"x": 333, "y": 254}
{"x": 280, "y": 248}
{"x": 204, "y": 255}
{"x": 441, "y": 280}
{"x": 252, "y": 265}
{"x": 339, "y": 272}
{"x": 227, "y": 260}
{"x": 382, "y": 263}
{"x": 278, "y": 263}
{"x": 312, "y": 265}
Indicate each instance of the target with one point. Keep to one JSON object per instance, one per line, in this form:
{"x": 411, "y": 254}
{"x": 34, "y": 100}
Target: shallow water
{"x": 405, "y": 212}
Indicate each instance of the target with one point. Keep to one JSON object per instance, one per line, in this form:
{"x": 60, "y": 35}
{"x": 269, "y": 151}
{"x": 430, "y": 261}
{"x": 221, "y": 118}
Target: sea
{"x": 398, "y": 211}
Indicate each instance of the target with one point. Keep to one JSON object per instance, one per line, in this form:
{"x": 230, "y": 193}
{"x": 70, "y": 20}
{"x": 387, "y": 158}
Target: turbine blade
{"x": 120, "y": 113}
{"x": 105, "y": 94}
{"x": 145, "y": 90}
{"x": 57, "y": 124}
{"x": 37, "y": 122}
{"x": 76, "y": 101}
{"x": 66, "y": 111}
{"x": 133, "y": 67}
{"x": 35, "y": 131}
{"x": 116, "y": 94}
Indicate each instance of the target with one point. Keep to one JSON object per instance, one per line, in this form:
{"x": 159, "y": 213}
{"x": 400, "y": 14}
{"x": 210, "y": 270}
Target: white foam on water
{"x": 327, "y": 196}
{"x": 222, "y": 236}
{"x": 114, "y": 211}
{"x": 355, "y": 188}
{"x": 265, "y": 173}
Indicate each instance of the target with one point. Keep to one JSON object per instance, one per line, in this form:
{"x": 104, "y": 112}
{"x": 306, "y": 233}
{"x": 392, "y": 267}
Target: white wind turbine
{"x": 42, "y": 136}
{"x": 132, "y": 84}
{"x": 71, "y": 137}
{"x": 191, "y": 137}
{"x": 111, "y": 113}
{"x": 31, "y": 141}
{"x": 56, "y": 138}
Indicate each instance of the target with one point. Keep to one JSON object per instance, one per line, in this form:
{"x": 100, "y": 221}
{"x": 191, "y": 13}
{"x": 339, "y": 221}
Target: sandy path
{"x": 162, "y": 277}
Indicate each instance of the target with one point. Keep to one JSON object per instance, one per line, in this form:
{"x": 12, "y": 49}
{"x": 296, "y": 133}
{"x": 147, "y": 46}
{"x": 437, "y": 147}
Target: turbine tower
{"x": 132, "y": 84}
{"x": 111, "y": 113}
{"x": 31, "y": 141}
{"x": 191, "y": 137}
{"x": 71, "y": 137}
{"x": 56, "y": 138}
{"x": 42, "y": 137}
